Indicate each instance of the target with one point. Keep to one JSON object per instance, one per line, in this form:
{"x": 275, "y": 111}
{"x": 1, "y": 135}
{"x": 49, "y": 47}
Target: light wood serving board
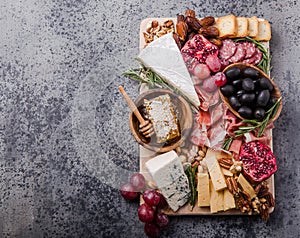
{"x": 146, "y": 154}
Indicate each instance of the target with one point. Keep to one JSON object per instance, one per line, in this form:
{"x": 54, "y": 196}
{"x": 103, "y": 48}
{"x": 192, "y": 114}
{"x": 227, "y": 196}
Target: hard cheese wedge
{"x": 229, "y": 202}
{"x": 214, "y": 169}
{"x": 216, "y": 199}
{"x": 168, "y": 174}
{"x": 203, "y": 190}
{"x": 164, "y": 58}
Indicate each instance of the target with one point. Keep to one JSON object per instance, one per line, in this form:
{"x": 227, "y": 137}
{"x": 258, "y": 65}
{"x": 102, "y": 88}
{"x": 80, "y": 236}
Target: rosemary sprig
{"x": 264, "y": 64}
{"x": 254, "y": 125}
{"x": 153, "y": 80}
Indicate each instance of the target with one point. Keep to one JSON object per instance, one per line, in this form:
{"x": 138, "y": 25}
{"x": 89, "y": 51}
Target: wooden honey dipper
{"x": 146, "y": 127}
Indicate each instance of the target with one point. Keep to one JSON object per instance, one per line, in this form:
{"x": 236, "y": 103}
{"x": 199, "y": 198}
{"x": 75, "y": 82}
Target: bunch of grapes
{"x": 150, "y": 211}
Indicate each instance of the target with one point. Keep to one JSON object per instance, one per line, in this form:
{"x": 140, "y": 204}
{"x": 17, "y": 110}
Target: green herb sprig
{"x": 254, "y": 125}
{"x": 264, "y": 64}
{"x": 153, "y": 80}
{"x": 191, "y": 174}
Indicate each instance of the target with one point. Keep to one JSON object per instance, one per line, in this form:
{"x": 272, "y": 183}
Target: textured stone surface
{"x": 65, "y": 144}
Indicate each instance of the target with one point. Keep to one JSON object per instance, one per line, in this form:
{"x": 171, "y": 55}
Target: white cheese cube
{"x": 168, "y": 174}
{"x": 165, "y": 168}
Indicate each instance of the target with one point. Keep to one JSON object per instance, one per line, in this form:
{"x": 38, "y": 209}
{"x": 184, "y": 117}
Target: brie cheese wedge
{"x": 164, "y": 58}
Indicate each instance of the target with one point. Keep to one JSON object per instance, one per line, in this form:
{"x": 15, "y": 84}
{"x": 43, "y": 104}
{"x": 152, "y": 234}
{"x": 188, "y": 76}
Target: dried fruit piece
{"x": 190, "y": 13}
{"x": 209, "y": 31}
{"x": 259, "y": 163}
{"x": 193, "y": 23}
{"x": 182, "y": 30}
{"x": 207, "y": 21}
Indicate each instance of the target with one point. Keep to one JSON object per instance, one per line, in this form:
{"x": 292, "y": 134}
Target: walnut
{"x": 225, "y": 162}
{"x": 232, "y": 186}
{"x": 236, "y": 168}
{"x": 168, "y": 24}
{"x": 148, "y": 37}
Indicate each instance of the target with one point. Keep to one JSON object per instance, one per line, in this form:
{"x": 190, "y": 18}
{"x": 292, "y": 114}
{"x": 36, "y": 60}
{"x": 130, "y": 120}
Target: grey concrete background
{"x": 65, "y": 145}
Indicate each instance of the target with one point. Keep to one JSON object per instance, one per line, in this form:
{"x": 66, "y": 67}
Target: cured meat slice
{"x": 250, "y": 49}
{"x": 228, "y": 49}
{"x": 238, "y": 55}
{"x": 213, "y": 63}
{"x": 224, "y": 63}
{"x": 255, "y": 59}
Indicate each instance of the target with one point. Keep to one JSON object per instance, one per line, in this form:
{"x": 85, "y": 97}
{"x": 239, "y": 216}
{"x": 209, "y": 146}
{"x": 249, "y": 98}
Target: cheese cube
{"x": 165, "y": 168}
{"x": 168, "y": 174}
{"x": 214, "y": 170}
{"x": 216, "y": 199}
{"x": 203, "y": 190}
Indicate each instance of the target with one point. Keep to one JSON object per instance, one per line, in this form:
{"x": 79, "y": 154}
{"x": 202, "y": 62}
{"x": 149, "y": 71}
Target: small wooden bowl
{"x": 182, "y": 111}
{"x": 276, "y": 93}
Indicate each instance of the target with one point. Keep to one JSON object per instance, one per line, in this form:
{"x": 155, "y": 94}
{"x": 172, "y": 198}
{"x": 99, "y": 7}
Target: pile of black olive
{"x": 248, "y": 93}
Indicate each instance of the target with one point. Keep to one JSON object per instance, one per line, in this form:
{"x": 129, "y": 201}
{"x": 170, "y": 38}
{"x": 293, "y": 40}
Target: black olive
{"x": 247, "y": 98}
{"x": 263, "y": 98}
{"x": 256, "y": 84}
{"x": 234, "y": 102}
{"x": 227, "y": 90}
{"x": 240, "y": 93}
{"x": 259, "y": 113}
{"x": 237, "y": 83}
{"x": 245, "y": 112}
{"x": 232, "y": 73}
{"x": 251, "y": 73}
{"x": 270, "y": 103}
{"x": 265, "y": 83}
{"x": 248, "y": 84}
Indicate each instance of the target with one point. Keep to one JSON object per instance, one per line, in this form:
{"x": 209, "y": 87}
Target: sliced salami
{"x": 258, "y": 57}
{"x": 238, "y": 55}
{"x": 255, "y": 59}
{"x": 250, "y": 49}
{"x": 224, "y": 63}
{"x": 228, "y": 49}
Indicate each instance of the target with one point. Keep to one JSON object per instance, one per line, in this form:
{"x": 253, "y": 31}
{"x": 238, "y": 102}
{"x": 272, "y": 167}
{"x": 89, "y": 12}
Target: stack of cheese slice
{"x": 164, "y": 58}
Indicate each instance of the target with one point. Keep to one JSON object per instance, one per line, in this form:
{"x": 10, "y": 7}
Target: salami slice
{"x": 224, "y": 63}
{"x": 255, "y": 59}
{"x": 258, "y": 57}
{"x": 228, "y": 49}
{"x": 238, "y": 55}
{"x": 250, "y": 49}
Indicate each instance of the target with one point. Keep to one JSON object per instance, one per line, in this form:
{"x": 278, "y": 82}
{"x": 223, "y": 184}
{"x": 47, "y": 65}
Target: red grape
{"x": 146, "y": 213}
{"x": 138, "y": 181}
{"x": 151, "y": 229}
{"x": 162, "y": 202}
{"x": 151, "y": 197}
{"x": 220, "y": 79}
{"x": 127, "y": 191}
{"x": 161, "y": 220}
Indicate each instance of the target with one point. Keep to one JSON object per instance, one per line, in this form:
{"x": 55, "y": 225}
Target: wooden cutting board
{"x": 146, "y": 154}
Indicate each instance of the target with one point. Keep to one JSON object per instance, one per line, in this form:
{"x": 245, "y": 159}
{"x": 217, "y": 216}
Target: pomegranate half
{"x": 259, "y": 163}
